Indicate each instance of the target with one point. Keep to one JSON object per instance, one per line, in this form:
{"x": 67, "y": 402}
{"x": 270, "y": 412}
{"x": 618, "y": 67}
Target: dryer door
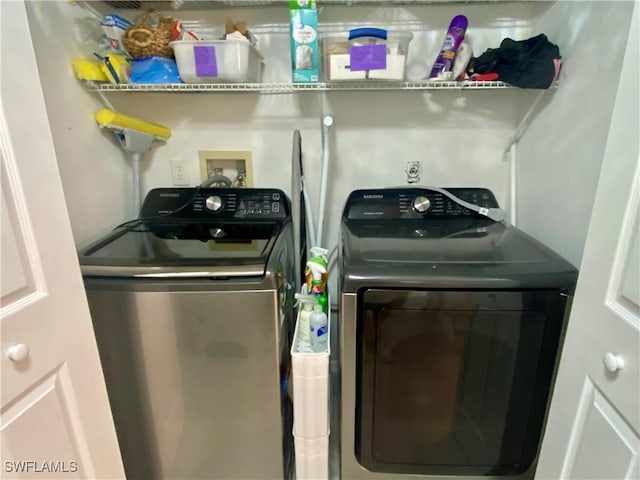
{"x": 454, "y": 382}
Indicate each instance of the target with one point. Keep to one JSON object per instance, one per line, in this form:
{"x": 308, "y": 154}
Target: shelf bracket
{"x": 525, "y": 122}
{"x": 509, "y": 155}
{"x": 105, "y": 100}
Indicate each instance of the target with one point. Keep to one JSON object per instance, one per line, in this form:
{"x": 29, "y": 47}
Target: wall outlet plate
{"x": 230, "y": 168}
{"x": 413, "y": 171}
{"x": 179, "y": 173}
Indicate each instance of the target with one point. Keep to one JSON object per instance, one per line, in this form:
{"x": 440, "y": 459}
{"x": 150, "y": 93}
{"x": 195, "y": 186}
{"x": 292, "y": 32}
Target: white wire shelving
{"x": 275, "y": 88}
{"x": 208, "y": 4}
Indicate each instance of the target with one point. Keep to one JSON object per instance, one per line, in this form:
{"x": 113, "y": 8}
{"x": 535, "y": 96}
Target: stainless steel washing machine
{"x": 193, "y": 314}
{"x": 450, "y": 329}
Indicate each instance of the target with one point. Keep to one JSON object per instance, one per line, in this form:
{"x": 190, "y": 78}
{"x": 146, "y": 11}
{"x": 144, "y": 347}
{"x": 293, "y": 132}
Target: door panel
{"x": 594, "y": 421}
{"x": 629, "y": 291}
{"x": 16, "y": 279}
{"x": 55, "y": 416}
{"x": 603, "y": 445}
{"x": 49, "y": 402}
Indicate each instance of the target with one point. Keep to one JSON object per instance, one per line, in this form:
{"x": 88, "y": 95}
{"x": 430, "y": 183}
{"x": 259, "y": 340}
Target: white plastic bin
{"x": 217, "y": 61}
{"x": 310, "y": 382}
{"x": 310, "y": 387}
{"x": 365, "y": 54}
{"x": 312, "y": 458}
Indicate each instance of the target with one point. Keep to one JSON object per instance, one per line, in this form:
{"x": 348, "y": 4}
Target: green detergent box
{"x": 303, "y": 28}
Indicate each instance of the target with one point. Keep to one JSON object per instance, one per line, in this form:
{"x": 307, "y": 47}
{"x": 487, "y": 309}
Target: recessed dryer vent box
{"x": 226, "y": 168}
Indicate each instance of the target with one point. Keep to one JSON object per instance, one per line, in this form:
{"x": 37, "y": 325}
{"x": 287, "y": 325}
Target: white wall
{"x": 560, "y": 155}
{"x": 93, "y": 171}
{"x": 459, "y": 136}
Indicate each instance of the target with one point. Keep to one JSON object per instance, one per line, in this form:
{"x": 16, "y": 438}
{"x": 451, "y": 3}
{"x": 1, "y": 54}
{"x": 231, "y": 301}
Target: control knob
{"x": 213, "y": 203}
{"x": 421, "y": 204}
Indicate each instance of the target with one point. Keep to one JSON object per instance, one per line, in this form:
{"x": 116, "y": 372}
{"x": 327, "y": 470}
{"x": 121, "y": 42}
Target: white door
{"x": 55, "y": 419}
{"x": 594, "y": 421}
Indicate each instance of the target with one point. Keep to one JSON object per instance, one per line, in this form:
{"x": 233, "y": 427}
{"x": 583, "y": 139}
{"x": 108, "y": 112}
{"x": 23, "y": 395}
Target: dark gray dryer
{"x": 193, "y": 313}
{"x": 450, "y": 328}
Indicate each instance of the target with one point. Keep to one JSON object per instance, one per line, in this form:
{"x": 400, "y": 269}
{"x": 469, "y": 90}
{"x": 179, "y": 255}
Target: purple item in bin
{"x": 455, "y": 35}
{"x": 368, "y": 57}
{"x": 205, "y": 60}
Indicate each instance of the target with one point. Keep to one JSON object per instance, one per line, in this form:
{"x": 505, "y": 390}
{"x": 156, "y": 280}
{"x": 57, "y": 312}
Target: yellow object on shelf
{"x": 118, "y": 121}
{"x": 112, "y": 67}
{"x": 120, "y": 67}
{"x": 88, "y": 70}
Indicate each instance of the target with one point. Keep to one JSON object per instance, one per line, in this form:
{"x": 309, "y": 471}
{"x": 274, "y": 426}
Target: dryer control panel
{"x": 416, "y": 203}
{"x": 203, "y": 204}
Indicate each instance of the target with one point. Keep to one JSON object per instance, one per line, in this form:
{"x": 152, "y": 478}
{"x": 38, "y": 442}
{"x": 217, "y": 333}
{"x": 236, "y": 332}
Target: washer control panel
{"x": 416, "y": 203}
{"x": 215, "y": 203}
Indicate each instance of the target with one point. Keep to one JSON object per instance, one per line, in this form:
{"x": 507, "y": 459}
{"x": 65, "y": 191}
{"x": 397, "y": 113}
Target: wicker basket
{"x": 144, "y": 39}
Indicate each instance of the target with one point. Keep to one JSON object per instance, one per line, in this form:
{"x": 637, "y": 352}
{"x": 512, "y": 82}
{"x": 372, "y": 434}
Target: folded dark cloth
{"x": 531, "y": 63}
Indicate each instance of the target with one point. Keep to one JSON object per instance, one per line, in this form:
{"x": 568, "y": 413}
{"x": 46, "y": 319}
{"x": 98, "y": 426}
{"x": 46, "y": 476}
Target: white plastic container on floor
{"x": 217, "y": 61}
{"x": 312, "y": 458}
{"x": 310, "y": 382}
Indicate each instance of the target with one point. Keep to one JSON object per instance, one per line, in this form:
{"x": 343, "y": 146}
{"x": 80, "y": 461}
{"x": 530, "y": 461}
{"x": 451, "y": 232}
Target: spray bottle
{"x": 316, "y": 275}
{"x": 307, "y": 303}
{"x": 319, "y": 329}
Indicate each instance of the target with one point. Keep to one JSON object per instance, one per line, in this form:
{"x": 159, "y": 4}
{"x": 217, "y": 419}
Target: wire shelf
{"x": 274, "y": 88}
{"x": 207, "y": 4}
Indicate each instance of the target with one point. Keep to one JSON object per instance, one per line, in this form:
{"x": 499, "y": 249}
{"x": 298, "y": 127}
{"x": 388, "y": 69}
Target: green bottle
{"x": 317, "y": 275}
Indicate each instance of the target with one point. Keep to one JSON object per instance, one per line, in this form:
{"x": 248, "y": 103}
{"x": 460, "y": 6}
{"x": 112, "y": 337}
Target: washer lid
{"x": 214, "y": 249}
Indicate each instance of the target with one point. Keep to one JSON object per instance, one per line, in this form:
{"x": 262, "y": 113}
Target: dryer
{"x": 192, "y": 306}
{"x": 450, "y": 330}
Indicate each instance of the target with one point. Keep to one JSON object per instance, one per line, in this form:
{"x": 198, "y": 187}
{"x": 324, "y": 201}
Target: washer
{"x": 192, "y": 308}
{"x": 451, "y": 326}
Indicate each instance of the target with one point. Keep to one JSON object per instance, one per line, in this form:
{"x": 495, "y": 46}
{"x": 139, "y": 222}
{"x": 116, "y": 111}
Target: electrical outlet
{"x": 226, "y": 168}
{"x": 179, "y": 173}
{"x": 414, "y": 169}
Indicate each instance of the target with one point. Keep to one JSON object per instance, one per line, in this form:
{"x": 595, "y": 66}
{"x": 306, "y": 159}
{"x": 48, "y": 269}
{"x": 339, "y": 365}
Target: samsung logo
{"x": 372, "y": 196}
{"x": 169, "y": 194}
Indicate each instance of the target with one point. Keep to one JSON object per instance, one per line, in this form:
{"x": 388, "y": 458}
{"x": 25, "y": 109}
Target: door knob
{"x": 18, "y": 352}
{"x": 613, "y": 362}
